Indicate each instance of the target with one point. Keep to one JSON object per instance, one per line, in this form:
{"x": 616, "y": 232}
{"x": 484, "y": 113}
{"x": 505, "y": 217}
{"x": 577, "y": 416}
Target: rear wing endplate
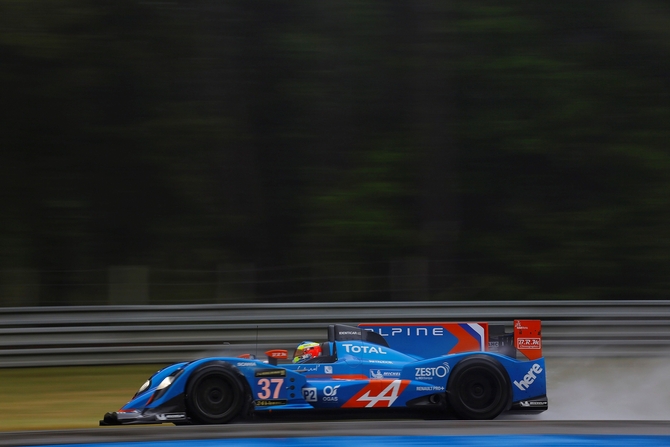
{"x": 528, "y": 338}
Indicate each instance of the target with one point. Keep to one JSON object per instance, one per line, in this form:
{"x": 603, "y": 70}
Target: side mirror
{"x": 274, "y": 355}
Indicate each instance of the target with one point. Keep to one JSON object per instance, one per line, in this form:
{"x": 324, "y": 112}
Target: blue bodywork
{"x": 358, "y": 374}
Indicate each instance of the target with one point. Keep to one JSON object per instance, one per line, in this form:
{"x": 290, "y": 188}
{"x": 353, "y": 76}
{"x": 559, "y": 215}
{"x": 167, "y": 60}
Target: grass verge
{"x": 66, "y": 397}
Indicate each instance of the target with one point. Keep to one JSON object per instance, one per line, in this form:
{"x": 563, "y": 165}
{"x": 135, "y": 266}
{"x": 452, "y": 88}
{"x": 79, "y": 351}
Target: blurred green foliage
{"x": 520, "y": 148}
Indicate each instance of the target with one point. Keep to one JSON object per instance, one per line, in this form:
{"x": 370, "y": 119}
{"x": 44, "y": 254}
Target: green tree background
{"x": 320, "y": 150}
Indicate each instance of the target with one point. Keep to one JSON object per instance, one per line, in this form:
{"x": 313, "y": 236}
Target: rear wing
{"x": 436, "y": 339}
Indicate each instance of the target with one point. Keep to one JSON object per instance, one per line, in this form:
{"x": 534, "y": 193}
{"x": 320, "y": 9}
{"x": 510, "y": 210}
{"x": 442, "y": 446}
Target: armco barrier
{"x": 89, "y": 335}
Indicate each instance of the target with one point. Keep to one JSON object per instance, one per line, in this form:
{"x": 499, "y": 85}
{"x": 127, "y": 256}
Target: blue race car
{"x": 469, "y": 370}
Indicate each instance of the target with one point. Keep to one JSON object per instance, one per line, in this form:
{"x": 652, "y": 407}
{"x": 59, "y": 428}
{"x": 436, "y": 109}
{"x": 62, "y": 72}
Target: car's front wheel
{"x": 479, "y": 388}
{"x": 214, "y": 394}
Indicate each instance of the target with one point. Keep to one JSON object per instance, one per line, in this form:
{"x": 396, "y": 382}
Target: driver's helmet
{"x": 306, "y": 350}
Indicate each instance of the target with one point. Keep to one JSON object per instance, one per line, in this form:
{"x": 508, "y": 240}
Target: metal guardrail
{"x": 90, "y": 335}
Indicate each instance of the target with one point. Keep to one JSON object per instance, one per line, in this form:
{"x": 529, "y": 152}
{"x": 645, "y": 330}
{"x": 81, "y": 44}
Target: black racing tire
{"x": 215, "y": 394}
{"x": 479, "y": 388}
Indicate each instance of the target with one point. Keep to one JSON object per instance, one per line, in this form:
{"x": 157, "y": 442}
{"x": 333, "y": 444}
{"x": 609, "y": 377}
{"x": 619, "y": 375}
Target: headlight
{"x": 162, "y": 387}
{"x": 165, "y": 383}
{"x": 144, "y": 387}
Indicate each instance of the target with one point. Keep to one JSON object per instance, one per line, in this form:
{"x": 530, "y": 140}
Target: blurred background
{"x": 201, "y": 151}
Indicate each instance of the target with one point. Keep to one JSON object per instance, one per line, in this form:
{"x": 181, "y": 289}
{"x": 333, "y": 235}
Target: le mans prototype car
{"x": 468, "y": 370}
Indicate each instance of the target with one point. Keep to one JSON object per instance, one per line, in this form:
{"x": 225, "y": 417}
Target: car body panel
{"x": 377, "y": 370}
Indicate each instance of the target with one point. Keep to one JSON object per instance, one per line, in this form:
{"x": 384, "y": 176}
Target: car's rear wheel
{"x": 479, "y": 388}
{"x": 214, "y": 394}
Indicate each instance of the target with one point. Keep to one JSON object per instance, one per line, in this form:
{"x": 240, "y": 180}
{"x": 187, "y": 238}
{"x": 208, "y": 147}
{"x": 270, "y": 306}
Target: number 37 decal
{"x": 269, "y": 388}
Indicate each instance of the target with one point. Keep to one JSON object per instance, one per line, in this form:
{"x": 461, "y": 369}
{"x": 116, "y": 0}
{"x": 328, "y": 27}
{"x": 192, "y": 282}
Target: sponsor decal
{"x": 308, "y": 368}
{"x": 378, "y": 393}
{"x": 245, "y": 364}
{"x": 270, "y": 373}
{"x": 533, "y": 403}
{"x": 529, "y": 378}
{"x": 529, "y": 343}
{"x": 309, "y": 394}
{"x": 330, "y": 393}
{"x": 271, "y": 402}
{"x": 518, "y": 325}
{"x": 356, "y": 349}
{"x": 384, "y": 373}
{"x": 384, "y": 362}
{"x": 430, "y": 388}
{"x": 170, "y": 416}
{"x": 350, "y": 332}
{"x": 328, "y": 369}
{"x": 277, "y": 354}
{"x": 429, "y": 373}
{"x": 412, "y": 331}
